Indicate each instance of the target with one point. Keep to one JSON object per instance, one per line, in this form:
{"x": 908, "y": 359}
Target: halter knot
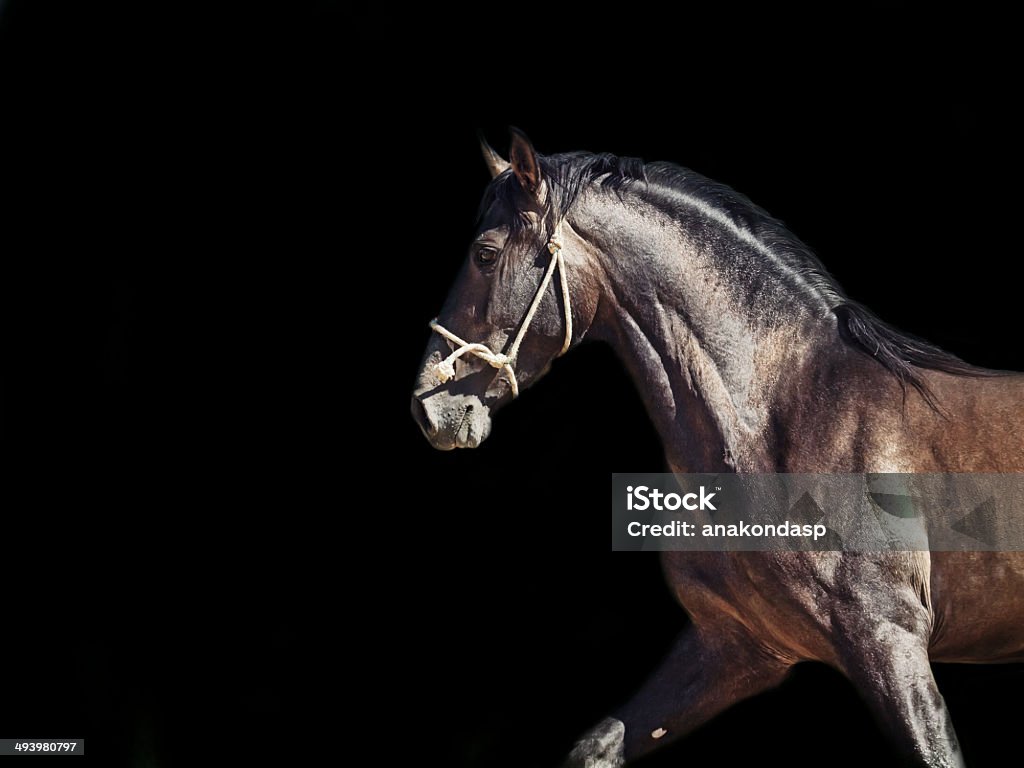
{"x": 445, "y": 370}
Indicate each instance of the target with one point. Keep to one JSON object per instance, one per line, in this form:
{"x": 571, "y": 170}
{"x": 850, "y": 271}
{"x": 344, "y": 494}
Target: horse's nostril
{"x": 419, "y": 413}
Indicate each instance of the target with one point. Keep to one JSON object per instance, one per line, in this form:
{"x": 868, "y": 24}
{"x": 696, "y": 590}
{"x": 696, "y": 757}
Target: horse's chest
{"x": 708, "y": 585}
{"x": 771, "y": 597}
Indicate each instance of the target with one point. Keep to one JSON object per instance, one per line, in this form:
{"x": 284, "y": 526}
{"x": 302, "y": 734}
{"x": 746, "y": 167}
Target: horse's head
{"x": 505, "y": 318}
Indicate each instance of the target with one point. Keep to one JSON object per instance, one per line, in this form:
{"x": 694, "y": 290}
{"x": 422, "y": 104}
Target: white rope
{"x": 506, "y": 361}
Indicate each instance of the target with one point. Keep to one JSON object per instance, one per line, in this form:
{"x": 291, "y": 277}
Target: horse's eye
{"x": 486, "y": 255}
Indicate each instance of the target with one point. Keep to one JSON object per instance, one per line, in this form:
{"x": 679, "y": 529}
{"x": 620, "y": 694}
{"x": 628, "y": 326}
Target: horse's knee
{"x": 601, "y": 747}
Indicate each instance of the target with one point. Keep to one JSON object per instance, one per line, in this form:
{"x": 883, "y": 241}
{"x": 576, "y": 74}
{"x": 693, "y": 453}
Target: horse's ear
{"x": 496, "y": 164}
{"x": 524, "y": 163}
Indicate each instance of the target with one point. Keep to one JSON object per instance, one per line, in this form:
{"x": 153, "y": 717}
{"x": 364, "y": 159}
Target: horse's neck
{"x": 709, "y": 369}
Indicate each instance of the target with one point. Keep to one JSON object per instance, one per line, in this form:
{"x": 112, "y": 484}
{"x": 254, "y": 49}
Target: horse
{"x": 749, "y": 358}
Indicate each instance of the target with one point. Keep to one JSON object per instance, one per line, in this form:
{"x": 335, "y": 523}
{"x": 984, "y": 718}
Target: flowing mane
{"x": 902, "y": 354}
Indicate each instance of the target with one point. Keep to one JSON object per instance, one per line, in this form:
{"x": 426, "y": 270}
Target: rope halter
{"x": 506, "y": 361}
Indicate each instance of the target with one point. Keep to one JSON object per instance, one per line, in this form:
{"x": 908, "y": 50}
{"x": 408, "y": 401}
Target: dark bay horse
{"x": 749, "y": 358}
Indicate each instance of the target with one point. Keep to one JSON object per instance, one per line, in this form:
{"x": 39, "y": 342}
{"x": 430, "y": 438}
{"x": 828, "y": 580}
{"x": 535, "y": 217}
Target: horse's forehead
{"x": 498, "y": 215}
{"x": 499, "y": 219}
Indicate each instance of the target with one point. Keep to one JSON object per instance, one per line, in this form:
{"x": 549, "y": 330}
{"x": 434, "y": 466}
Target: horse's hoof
{"x": 601, "y": 747}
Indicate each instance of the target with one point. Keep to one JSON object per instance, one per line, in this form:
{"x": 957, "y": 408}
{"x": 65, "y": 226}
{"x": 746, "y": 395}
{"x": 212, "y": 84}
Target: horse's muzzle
{"x": 451, "y": 421}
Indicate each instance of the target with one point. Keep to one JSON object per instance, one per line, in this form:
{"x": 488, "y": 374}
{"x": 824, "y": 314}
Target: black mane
{"x": 901, "y": 354}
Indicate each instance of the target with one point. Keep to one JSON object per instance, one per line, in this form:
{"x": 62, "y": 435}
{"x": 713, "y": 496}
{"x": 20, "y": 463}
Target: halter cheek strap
{"x": 506, "y": 361}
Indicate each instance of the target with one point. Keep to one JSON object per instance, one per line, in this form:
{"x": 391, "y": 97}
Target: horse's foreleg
{"x": 887, "y": 659}
{"x": 705, "y": 672}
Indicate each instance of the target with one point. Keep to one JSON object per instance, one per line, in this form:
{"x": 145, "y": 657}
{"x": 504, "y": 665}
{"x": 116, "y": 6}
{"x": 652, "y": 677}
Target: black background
{"x": 227, "y": 231}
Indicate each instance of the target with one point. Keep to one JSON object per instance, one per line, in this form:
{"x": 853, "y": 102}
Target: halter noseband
{"x": 446, "y": 368}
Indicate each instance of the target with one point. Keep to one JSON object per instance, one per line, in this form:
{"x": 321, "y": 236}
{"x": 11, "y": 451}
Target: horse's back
{"x": 978, "y": 427}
